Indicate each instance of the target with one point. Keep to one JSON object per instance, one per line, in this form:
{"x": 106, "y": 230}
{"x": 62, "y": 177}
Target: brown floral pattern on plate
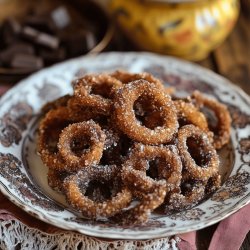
{"x": 234, "y": 187}
{"x": 11, "y": 170}
{"x": 14, "y": 122}
{"x": 239, "y": 118}
{"x": 180, "y": 83}
{"x": 191, "y": 214}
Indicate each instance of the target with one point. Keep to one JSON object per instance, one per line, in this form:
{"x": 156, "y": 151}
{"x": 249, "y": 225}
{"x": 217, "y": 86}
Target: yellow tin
{"x": 188, "y": 29}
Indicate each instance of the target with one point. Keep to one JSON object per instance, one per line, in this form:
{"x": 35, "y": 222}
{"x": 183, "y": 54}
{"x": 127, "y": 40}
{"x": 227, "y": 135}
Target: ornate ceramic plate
{"x": 23, "y": 176}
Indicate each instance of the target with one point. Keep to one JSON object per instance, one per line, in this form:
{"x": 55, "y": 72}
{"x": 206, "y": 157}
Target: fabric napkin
{"x": 229, "y": 234}
{"x": 3, "y": 88}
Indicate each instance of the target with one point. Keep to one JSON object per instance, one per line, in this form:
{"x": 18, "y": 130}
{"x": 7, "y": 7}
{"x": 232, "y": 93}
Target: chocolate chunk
{"x": 43, "y": 38}
{"x": 61, "y": 17}
{"x": 40, "y": 38}
{"x": 52, "y": 56}
{"x": 7, "y": 55}
{"x": 41, "y": 23}
{"x": 78, "y": 41}
{"x": 26, "y": 61}
{"x": 10, "y": 31}
{"x": 48, "y": 41}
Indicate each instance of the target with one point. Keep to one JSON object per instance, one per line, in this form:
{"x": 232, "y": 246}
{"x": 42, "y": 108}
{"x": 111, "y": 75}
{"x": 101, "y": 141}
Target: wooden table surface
{"x": 232, "y": 60}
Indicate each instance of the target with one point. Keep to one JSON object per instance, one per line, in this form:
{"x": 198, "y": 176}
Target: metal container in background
{"x": 190, "y": 29}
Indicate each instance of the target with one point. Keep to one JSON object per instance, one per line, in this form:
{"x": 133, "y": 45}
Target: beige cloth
{"x": 18, "y": 230}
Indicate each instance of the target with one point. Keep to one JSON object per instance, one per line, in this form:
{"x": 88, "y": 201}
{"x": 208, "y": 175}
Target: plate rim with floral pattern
{"x": 19, "y": 110}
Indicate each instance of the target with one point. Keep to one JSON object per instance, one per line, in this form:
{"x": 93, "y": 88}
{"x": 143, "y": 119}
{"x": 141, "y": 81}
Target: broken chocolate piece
{"x": 41, "y": 23}
{"x": 10, "y": 30}
{"x": 78, "y": 41}
{"x": 52, "y": 56}
{"x": 45, "y": 36}
{"x": 7, "y": 55}
{"x": 40, "y": 38}
{"x": 26, "y": 61}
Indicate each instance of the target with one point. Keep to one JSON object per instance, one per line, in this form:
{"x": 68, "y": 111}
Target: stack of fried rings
{"x": 122, "y": 138}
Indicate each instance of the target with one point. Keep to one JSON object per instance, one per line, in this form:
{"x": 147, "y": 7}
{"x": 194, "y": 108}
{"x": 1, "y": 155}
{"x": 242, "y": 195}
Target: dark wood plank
{"x": 245, "y": 8}
{"x": 232, "y": 57}
{"x": 208, "y": 63}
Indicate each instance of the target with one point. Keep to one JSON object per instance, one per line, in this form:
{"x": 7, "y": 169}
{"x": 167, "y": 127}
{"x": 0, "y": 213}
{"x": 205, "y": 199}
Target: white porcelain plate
{"x": 23, "y": 176}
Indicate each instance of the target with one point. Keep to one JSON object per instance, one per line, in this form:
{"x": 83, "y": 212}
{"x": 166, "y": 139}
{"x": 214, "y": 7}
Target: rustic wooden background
{"x": 232, "y": 58}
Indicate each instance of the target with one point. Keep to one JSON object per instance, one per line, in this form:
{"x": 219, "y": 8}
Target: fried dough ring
{"x": 51, "y": 126}
{"x": 94, "y": 209}
{"x": 96, "y": 91}
{"x": 151, "y": 194}
{"x": 125, "y": 119}
{"x": 79, "y": 112}
{"x": 86, "y": 131}
{"x": 179, "y": 201}
{"x": 195, "y": 193}
{"x": 126, "y": 77}
{"x": 222, "y": 130}
{"x": 188, "y": 114}
{"x": 168, "y": 167}
{"x": 209, "y": 154}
